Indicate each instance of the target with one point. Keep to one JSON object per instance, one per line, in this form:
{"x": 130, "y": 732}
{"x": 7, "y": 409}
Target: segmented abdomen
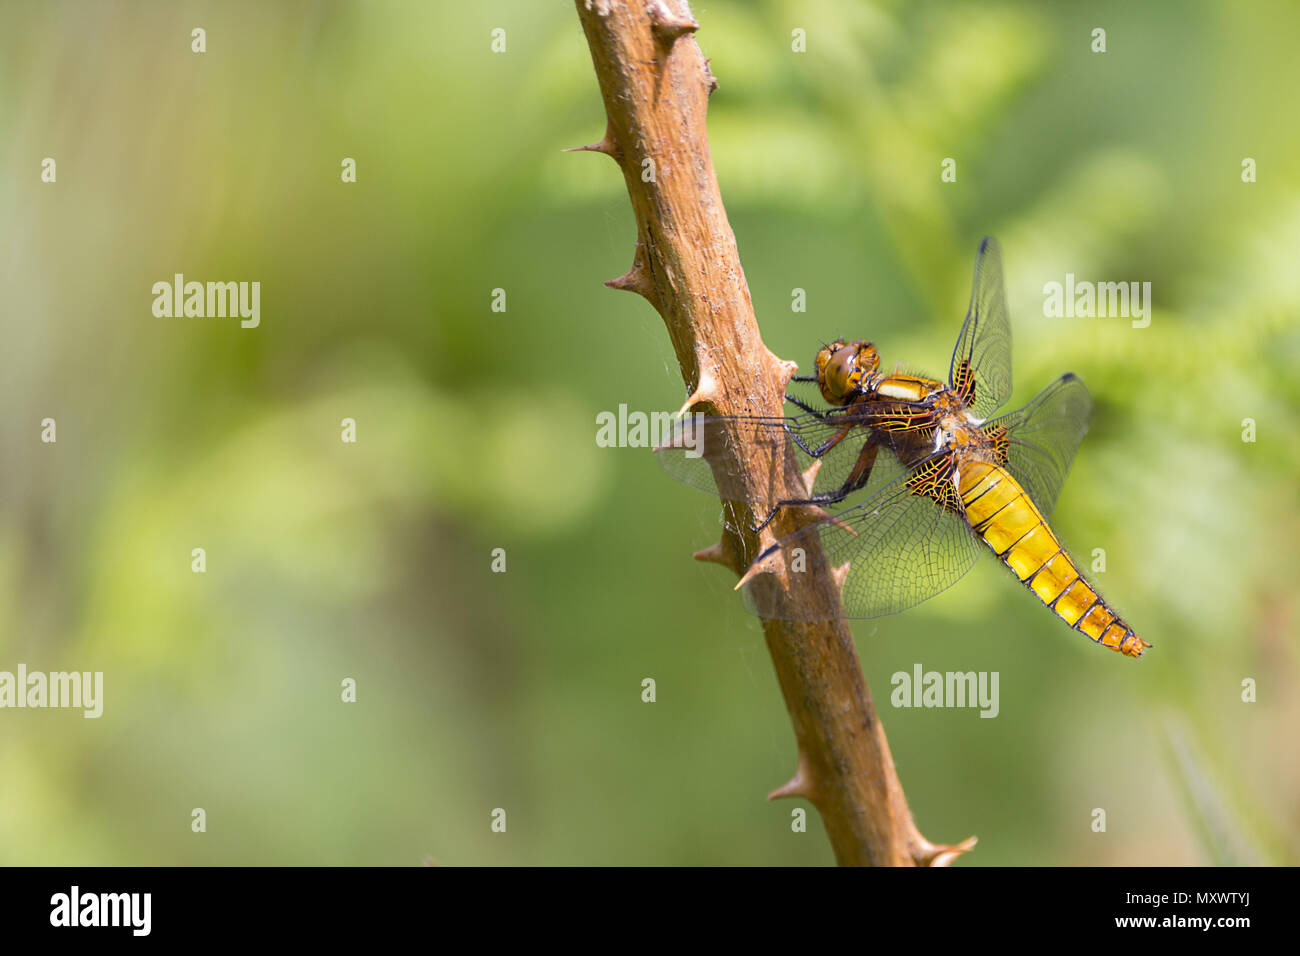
{"x": 1001, "y": 513}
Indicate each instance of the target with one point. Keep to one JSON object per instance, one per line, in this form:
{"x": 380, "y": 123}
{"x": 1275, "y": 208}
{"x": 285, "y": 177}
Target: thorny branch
{"x": 656, "y": 86}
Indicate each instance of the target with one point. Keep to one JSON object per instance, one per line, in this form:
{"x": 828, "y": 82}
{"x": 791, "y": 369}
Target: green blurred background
{"x": 476, "y": 429}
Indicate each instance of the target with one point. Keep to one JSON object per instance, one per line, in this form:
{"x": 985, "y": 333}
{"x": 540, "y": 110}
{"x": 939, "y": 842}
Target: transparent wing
{"x": 1042, "y": 437}
{"x": 981, "y": 362}
{"x": 702, "y": 450}
{"x": 901, "y": 547}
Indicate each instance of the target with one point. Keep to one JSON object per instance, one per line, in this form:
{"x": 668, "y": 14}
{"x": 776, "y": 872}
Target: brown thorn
{"x": 668, "y": 26}
{"x": 705, "y": 391}
{"x": 713, "y": 553}
{"x": 635, "y": 280}
{"x": 810, "y": 475}
{"x": 607, "y": 145}
{"x": 784, "y": 369}
{"x": 839, "y": 574}
{"x": 601, "y": 147}
{"x": 800, "y": 785}
{"x": 708, "y": 73}
{"x": 943, "y": 854}
{"x": 768, "y": 565}
{"x": 821, "y": 514}
{"x": 722, "y": 553}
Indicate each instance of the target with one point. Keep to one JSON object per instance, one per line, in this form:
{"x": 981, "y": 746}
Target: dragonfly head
{"x": 845, "y": 368}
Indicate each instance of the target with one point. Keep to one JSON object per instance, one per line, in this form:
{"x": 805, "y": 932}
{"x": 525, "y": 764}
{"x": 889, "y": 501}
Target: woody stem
{"x": 656, "y": 86}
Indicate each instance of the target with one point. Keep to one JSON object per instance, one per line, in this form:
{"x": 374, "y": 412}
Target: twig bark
{"x": 656, "y": 86}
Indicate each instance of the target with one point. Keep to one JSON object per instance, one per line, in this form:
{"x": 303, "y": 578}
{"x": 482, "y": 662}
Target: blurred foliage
{"x": 476, "y": 429}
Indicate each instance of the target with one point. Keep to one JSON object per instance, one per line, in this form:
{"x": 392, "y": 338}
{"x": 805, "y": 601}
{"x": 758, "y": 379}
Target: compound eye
{"x": 839, "y": 375}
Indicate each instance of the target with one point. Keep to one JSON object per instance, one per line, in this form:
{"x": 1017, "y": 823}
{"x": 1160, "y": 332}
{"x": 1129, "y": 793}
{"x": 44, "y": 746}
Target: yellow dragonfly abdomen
{"x": 1004, "y": 516}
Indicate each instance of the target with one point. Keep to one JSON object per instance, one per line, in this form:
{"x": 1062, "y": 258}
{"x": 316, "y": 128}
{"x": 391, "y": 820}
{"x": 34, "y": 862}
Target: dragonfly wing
{"x": 981, "y": 362}
{"x": 703, "y": 451}
{"x": 1042, "y": 437}
{"x": 901, "y": 545}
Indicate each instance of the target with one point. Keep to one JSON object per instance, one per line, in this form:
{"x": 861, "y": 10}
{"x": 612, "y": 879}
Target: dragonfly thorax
{"x": 957, "y": 429}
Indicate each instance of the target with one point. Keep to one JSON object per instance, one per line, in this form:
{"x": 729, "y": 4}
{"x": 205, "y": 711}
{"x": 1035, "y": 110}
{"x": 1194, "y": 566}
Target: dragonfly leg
{"x": 827, "y": 445}
{"x": 825, "y": 498}
{"x": 845, "y": 417}
{"x": 803, "y": 446}
{"x": 858, "y": 477}
{"x": 821, "y": 413}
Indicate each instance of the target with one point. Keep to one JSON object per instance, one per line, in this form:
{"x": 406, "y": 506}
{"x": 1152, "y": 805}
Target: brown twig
{"x": 656, "y": 86}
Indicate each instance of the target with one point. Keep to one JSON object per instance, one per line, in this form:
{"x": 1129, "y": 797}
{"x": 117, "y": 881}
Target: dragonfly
{"x": 940, "y": 474}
